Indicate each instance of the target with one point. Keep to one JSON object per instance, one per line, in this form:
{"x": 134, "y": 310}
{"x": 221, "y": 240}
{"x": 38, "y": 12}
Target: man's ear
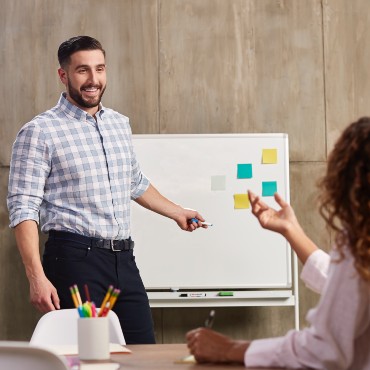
{"x": 62, "y": 75}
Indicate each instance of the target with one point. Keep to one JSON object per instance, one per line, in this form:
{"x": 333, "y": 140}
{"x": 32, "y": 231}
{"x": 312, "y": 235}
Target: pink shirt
{"x": 315, "y": 270}
{"x": 339, "y": 335}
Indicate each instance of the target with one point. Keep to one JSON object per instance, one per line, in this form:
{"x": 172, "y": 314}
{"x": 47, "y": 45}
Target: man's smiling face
{"x": 85, "y": 79}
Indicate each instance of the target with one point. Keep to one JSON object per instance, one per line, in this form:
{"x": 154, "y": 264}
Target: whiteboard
{"x": 201, "y": 172}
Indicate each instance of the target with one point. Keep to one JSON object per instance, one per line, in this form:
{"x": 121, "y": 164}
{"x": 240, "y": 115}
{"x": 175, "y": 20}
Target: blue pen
{"x": 203, "y": 223}
{"x": 81, "y": 311}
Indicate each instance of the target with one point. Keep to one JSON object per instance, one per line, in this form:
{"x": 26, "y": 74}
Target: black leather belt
{"x": 114, "y": 245}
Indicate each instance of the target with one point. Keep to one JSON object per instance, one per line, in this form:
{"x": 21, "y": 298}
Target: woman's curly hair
{"x": 345, "y": 195}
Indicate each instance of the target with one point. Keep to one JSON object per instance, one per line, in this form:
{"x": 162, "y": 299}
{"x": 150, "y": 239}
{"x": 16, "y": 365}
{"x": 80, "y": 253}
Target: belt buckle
{"x": 112, "y": 246}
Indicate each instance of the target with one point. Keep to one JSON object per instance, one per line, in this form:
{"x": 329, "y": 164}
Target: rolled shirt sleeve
{"x": 29, "y": 168}
{"x": 315, "y": 270}
{"x": 140, "y": 182}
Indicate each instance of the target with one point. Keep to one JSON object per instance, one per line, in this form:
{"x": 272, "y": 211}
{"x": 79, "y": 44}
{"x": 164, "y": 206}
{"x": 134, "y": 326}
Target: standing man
{"x": 73, "y": 169}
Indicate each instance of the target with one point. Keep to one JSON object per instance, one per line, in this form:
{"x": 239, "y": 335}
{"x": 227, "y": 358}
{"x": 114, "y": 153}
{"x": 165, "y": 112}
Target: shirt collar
{"x": 74, "y": 111}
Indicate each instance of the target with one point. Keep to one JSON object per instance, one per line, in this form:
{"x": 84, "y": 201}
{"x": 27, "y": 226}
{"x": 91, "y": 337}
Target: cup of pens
{"x": 93, "y": 338}
{"x": 93, "y": 324}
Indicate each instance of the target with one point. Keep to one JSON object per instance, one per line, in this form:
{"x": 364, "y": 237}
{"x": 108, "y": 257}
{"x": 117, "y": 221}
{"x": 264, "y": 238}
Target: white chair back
{"x": 59, "y": 327}
{"x": 22, "y": 356}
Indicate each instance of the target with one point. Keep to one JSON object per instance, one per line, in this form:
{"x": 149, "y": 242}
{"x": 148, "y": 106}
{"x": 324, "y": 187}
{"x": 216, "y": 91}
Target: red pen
{"x": 87, "y": 294}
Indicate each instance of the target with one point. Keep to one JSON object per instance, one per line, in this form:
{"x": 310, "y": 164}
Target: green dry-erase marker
{"x": 226, "y": 294}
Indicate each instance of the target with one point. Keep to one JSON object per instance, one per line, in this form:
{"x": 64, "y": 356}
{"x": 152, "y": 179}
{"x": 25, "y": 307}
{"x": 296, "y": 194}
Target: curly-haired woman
{"x": 339, "y": 334}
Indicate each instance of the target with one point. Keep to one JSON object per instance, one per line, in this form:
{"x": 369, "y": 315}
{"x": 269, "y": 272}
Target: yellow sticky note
{"x": 269, "y": 156}
{"x": 241, "y": 201}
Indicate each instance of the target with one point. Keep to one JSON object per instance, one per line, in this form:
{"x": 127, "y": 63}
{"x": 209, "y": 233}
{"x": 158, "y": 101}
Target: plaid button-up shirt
{"x": 74, "y": 173}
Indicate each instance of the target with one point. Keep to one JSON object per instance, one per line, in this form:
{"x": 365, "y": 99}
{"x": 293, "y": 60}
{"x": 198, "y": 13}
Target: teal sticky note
{"x": 269, "y": 188}
{"x": 244, "y": 171}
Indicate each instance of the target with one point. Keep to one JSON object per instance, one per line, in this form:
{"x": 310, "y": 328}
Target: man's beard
{"x": 76, "y": 95}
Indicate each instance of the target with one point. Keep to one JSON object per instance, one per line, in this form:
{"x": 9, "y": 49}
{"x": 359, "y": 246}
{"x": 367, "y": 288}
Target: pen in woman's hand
{"x": 210, "y": 319}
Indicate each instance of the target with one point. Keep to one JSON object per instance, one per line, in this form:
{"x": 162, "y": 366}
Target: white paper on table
{"x": 72, "y": 349}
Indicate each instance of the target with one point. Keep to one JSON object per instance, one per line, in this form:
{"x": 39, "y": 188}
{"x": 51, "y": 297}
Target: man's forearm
{"x": 27, "y": 238}
{"x": 156, "y": 202}
{"x": 43, "y": 294}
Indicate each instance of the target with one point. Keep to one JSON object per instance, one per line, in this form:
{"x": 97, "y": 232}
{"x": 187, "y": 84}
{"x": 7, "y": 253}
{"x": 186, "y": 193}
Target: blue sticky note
{"x": 269, "y": 188}
{"x": 245, "y": 171}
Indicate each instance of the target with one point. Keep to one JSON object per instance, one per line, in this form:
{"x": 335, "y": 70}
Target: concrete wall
{"x": 193, "y": 66}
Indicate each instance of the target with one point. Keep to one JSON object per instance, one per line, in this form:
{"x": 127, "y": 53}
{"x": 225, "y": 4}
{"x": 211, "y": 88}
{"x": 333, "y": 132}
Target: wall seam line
{"x": 324, "y": 77}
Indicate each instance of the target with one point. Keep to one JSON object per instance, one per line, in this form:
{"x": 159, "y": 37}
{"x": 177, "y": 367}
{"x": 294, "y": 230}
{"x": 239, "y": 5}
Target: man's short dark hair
{"x": 74, "y": 44}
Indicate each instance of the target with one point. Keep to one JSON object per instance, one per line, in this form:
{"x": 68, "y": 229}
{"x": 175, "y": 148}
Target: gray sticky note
{"x": 218, "y": 183}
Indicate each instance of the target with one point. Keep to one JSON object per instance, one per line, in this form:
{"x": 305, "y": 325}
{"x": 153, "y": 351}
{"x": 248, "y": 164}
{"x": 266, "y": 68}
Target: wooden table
{"x": 162, "y": 357}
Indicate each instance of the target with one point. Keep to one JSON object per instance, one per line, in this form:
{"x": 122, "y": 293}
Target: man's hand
{"x": 184, "y": 218}
{"x": 43, "y": 295}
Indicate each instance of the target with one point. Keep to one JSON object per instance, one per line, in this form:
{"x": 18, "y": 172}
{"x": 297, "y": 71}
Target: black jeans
{"x": 68, "y": 260}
